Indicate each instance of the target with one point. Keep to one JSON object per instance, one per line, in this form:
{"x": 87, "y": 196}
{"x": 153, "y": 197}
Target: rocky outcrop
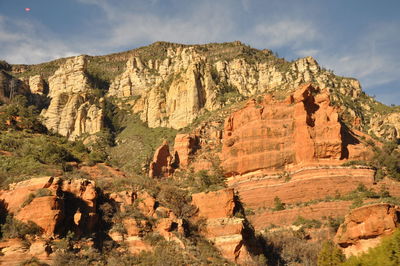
{"x": 47, "y": 212}
{"x": 386, "y": 126}
{"x": 165, "y": 223}
{"x": 313, "y": 183}
{"x": 228, "y": 233}
{"x": 364, "y": 227}
{"x": 70, "y": 207}
{"x": 263, "y": 219}
{"x": 37, "y": 85}
{"x": 163, "y": 163}
{"x": 15, "y": 252}
{"x": 73, "y": 110}
{"x": 172, "y": 91}
{"x": 176, "y": 88}
{"x": 279, "y": 135}
{"x": 185, "y": 146}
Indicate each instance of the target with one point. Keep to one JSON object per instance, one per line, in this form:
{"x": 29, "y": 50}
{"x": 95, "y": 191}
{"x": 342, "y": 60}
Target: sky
{"x": 354, "y": 38}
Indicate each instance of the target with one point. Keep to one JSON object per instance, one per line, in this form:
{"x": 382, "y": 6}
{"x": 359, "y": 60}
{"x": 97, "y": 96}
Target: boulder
{"x": 364, "y": 227}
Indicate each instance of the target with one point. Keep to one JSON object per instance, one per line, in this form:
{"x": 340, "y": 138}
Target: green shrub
{"x": 13, "y": 228}
{"x": 278, "y": 204}
{"x": 330, "y": 255}
{"x": 307, "y": 223}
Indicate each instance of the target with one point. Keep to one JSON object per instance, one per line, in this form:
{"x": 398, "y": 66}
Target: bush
{"x": 278, "y": 204}
{"x": 291, "y": 248}
{"x": 330, "y": 255}
{"x": 19, "y": 115}
{"x": 13, "y": 228}
{"x": 307, "y": 223}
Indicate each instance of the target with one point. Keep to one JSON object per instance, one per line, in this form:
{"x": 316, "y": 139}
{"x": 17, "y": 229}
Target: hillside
{"x": 192, "y": 154}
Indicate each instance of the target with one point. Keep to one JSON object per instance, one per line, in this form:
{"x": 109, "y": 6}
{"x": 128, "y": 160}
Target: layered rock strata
{"x": 175, "y": 89}
{"x": 73, "y": 110}
{"x": 229, "y": 234}
{"x": 280, "y": 135}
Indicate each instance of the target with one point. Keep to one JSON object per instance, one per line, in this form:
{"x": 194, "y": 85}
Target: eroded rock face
{"x": 364, "y": 227}
{"x": 175, "y": 89}
{"x": 162, "y": 164}
{"x": 73, "y": 110}
{"x": 221, "y": 227}
{"x": 37, "y": 84}
{"x": 70, "y": 207}
{"x": 277, "y": 135}
{"x": 185, "y": 145}
{"x": 47, "y": 212}
{"x": 386, "y": 126}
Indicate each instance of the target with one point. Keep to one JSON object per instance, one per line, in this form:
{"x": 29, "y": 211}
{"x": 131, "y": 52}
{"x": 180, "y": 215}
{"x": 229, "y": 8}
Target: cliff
{"x": 171, "y": 85}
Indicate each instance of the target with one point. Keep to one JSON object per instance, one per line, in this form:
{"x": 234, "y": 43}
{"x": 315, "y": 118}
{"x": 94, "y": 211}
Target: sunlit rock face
{"x": 73, "y": 110}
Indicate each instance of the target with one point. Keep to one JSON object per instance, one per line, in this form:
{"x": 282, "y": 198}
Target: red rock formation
{"x": 161, "y": 166}
{"x": 364, "y": 227}
{"x": 216, "y": 204}
{"x": 46, "y": 212}
{"x": 72, "y": 205}
{"x": 18, "y": 192}
{"x": 259, "y": 191}
{"x": 185, "y": 145}
{"x": 272, "y": 135}
{"x": 221, "y": 228}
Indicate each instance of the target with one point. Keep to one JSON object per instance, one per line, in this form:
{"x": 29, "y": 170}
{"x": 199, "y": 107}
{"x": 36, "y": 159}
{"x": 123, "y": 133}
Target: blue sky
{"x": 356, "y": 38}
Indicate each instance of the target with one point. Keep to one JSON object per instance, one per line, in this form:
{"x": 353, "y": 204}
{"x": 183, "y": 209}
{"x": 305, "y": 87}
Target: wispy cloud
{"x": 28, "y": 42}
{"x": 285, "y": 32}
{"x": 127, "y": 26}
{"x": 371, "y": 56}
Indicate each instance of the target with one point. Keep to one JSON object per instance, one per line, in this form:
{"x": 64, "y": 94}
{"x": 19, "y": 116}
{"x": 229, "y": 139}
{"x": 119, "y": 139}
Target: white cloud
{"x": 126, "y": 26}
{"x": 371, "y": 56}
{"x": 286, "y": 32}
{"x": 26, "y": 42}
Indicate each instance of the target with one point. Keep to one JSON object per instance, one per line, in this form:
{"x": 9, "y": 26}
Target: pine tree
{"x": 330, "y": 255}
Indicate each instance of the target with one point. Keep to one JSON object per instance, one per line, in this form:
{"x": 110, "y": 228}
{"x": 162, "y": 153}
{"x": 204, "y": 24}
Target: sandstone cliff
{"x": 171, "y": 85}
{"x": 73, "y": 110}
{"x": 365, "y": 227}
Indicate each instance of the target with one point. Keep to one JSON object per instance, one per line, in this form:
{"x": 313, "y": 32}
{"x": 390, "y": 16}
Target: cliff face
{"x": 364, "y": 227}
{"x": 280, "y": 135}
{"x": 73, "y": 110}
{"x": 171, "y": 85}
{"x": 173, "y": 91}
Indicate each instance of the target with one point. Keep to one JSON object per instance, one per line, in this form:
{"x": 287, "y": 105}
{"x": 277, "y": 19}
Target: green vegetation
{"x": 5, "y": 66}
{"x": 164, "y": 253}
{"x": 330, "y": 255}
{"x": 307, "y": 223}
{"x": 44, "y": 69}
{"x": 13, "y": 228}
{"x": 137, "y": 143}
{"x": 278, "y": 204}
{"x": 387, "y": 160}
{"x": 19, "y": 115}
{"x": 36, "y": 154}
{"x": 288, "y": 247}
